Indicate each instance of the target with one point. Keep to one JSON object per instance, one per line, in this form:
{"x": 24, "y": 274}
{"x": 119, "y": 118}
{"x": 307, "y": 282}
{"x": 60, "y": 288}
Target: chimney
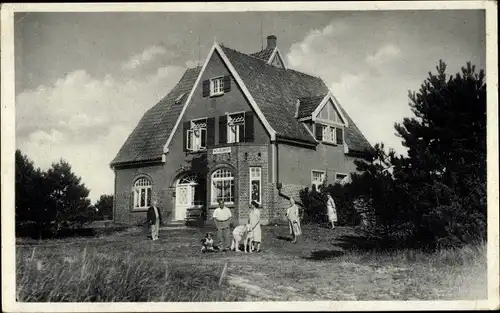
{"x": 271, "y": 41}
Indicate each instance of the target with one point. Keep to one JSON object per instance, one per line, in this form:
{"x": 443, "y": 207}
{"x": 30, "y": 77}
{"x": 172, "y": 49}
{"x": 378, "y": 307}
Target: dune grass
{"x": 324, "y": 265}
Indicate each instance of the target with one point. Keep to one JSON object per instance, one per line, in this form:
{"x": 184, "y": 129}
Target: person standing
{"x": 222, "y": 218}
{"x": 254, "y": 221}
{"x": 154, "y": 220}
{"x": 331, "y": 210}
{"x": 293, "y": 217}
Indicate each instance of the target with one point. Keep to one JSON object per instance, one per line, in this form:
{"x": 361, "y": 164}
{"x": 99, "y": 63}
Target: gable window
{"x": 216, "y": 86}
{"x": 341, "y": 178}
{"x": 317, "y": 179}
{"x": 236, "y": 128}
{"x": 223, "y": 186}
{"x": 196, "y": 135}
{"x": 142, "y": 193}
{"x": 255, "y": 184}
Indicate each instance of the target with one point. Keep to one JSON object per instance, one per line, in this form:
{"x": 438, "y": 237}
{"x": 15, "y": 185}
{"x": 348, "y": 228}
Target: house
{"x": 242, "y": 127}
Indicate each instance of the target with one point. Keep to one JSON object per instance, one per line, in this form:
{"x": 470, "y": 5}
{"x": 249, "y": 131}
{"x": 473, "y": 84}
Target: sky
{"x": 83, "y": 80}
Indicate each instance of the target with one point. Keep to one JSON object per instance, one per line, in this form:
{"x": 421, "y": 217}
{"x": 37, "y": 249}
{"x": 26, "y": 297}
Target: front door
{"x": 184, "y": 200}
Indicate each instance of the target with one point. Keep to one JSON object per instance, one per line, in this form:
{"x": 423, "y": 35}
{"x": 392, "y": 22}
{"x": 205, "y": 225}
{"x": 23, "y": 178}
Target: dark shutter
{"x": 340, "y": 138}
{"x": 186, "y": 126}
{"x": 206, "y": 88}
{"x": 319, "y": 132}
{"x": 249, "y": 129}
{"x": 241, "y": 134}
{"x": 210, "y": 132}
{"x": 223, "y": 129}
{"x": 227, "y": 83}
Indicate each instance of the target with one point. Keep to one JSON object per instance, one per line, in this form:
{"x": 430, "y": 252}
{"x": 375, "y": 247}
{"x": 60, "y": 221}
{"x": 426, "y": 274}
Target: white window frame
{"x": 344, "y": 180}
{"x": 217, "y": 86}
{"x": 252, "y": 178}
{"x": 330, "y": 134}
{"x": 234, "y": 136}
{"x": 193, "y": 142}
{"x": 142, "y": 184}
{"x": 215, "y": 180}
{"x": 313, "y": 182}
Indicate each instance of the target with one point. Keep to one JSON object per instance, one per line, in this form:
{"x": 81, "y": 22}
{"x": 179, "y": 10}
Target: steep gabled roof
{"x": 146, "y": 141}
{"x": 274, "y": 93}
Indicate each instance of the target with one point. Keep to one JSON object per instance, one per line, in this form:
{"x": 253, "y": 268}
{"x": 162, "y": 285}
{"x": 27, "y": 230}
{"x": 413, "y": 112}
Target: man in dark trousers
{"x": 154, "y": 220}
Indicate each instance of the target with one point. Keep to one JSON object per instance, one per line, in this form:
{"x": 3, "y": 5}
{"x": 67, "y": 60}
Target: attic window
{"x": 216, "y": 86}
{"x": 179, "y": 98}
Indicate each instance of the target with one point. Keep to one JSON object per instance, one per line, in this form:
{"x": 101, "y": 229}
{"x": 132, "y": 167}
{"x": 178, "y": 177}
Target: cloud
{"x": 383, "y": 55}
{"x": 85, "y": 120}
{"x": 144, "y": 57}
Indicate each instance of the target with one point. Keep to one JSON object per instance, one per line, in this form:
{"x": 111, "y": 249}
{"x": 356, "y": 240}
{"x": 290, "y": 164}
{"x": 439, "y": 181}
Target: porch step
{"x": 176, "y": 224}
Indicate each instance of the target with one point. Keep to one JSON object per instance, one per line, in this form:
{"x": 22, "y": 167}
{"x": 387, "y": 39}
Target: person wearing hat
{"x": 254, "y": 221}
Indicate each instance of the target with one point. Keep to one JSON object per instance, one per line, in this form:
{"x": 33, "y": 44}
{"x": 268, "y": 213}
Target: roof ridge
{"x": 288, "y": 69}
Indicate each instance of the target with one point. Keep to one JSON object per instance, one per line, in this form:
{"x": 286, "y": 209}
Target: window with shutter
{"x": 236, "y": 128}
{"x": 217, "y": 86}
{"x": 196, "y": 135}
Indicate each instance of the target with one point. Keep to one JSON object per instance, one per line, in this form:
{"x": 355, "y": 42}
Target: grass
{"x": 323, "y": 265}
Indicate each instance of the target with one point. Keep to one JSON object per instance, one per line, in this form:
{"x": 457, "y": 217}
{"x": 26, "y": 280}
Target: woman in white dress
{"x": 331, "y": 210}
{"x": 293, "y": 217}
{"x": 254, "y": 221}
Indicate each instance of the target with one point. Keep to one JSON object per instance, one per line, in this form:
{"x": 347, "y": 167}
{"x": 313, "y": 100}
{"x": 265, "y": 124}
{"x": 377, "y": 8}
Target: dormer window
{"x": 329, "y": 134}
{"x": 216, "y": 86}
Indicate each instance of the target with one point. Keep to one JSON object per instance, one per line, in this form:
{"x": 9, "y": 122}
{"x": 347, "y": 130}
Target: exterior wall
{"x": 296, "y": 163}
{"x": 232, "y": 101}
{"x": 239, "y": 160}
{"x": 125, "y": 179}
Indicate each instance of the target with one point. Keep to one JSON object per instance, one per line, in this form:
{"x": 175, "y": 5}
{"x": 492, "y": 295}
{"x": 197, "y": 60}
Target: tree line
{"x": 435, "y": 196}
{"x": 53, "y": 200}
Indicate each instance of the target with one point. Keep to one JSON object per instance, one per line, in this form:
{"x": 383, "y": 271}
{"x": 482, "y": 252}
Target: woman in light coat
{"x": 254, "y": 221}
{"x": 293, "y": 217}
{"x": 331, "y": 210}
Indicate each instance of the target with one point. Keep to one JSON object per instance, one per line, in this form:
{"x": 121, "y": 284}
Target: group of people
{"x": 222, "y": 217}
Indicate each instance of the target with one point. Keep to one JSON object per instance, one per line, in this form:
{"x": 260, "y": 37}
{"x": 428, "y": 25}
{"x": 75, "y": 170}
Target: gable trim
{"x": 329, "y": 96}
{"x": 277, "y": 52}
{"x": 239, "y": 81}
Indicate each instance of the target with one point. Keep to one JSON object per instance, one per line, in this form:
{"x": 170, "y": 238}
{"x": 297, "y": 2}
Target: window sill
{"x": 139, "y": 210}
{"x": 216, "y": 95}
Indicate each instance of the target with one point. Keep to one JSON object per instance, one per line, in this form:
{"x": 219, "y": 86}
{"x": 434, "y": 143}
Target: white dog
{"x": 242, "y": 233}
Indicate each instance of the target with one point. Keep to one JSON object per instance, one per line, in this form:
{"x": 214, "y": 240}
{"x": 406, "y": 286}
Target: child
{"x": 207, "y": 243}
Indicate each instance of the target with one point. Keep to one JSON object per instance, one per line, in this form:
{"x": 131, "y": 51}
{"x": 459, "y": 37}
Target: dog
{"x": 244, "y": 234}
{"x": 207, "y": 243}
